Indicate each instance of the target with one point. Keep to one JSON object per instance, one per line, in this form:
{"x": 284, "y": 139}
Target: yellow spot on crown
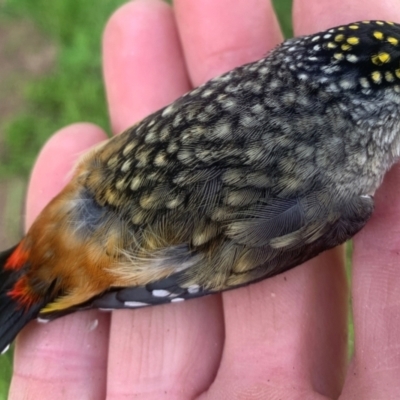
{"x": 338, "y": 56}
{"x": 339, "y": 38}
{"x": 384, "y": 57}
{"x": 389, "y": 22}
{"x": 379, "y": 23}
{"x": 354, "y": 27}
{"x": 353, "y": 40}
{"x": 346, "y": 47}
{"x": 378, "y": 35}
{"x": 392, "y": 40}
{"x": 341, "y": 28}
{"x": 389, "y": 76}
{"x": 397, "y": 72}
{"x": 376, "y": 77}
{"x": 331, "y": 45}
{"x": 381, "y": 58}
{"x": 366, "y": 22}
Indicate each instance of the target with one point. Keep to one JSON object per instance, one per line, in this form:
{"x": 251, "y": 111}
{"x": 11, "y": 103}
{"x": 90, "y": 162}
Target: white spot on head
{"x": 134, "y": 304}
{"x": 160, "y": 293}
{"x": 389, "y": 76}
{"x": 352, "y": 58}
{"x": 177, "y": 300}
{"x": 317, "y": 47}
{"x": 42, "y": 320}
{"x": 327, "y": 36}
{"x": 315, "y": 38}
{"x": 364, "y": 83}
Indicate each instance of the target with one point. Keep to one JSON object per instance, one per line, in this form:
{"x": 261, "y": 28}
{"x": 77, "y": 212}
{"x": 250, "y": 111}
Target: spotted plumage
{"x": 245, "y": 177}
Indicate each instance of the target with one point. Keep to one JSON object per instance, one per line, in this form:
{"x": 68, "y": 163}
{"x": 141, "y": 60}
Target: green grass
{"x": 72, "y": 92}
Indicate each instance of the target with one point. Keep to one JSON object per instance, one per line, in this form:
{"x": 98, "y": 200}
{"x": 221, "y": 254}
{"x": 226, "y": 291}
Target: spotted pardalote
{"x": 245, "y": 177}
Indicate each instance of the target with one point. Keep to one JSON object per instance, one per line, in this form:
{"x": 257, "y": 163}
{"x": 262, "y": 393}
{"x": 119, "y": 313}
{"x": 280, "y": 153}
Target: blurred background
{"x": 50, "y": 76}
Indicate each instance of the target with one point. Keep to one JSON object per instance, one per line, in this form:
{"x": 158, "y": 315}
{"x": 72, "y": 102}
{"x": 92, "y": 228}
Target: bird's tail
{"x": 17, "y": 307}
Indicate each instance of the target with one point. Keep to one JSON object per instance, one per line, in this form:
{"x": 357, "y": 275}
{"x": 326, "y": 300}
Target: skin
{"x": 284, "y": 338}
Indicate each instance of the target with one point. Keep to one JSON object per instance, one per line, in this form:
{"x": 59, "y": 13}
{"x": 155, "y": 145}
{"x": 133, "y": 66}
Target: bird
{"x": 243, "y": 178}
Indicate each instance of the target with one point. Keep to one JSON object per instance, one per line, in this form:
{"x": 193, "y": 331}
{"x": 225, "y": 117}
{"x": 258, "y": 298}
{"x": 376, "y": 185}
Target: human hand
{"x": 281, "y": 338}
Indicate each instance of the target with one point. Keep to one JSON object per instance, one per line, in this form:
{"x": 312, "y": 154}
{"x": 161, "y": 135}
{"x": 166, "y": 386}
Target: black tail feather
{"x": 13, "y": 316}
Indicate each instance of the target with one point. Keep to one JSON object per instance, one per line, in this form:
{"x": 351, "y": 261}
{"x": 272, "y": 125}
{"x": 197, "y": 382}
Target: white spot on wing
{"x": 5, "y": 349}
{"x": 177, "y": 300}
{"x": 193, "y": 289}
{"x": 160, "y": 293}
{"x": 42, "y": 320}
{"x": 134, "y": 304}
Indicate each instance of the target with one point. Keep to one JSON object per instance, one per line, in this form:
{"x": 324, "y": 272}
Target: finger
{"x": 143, "y": 65}
{"x": 210, "y": 49}
{"x": 168, "y": 351}
{"x": 70, "y": 352}
{"x": 375, "y": 367}
{"x": 282, "y": 334}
